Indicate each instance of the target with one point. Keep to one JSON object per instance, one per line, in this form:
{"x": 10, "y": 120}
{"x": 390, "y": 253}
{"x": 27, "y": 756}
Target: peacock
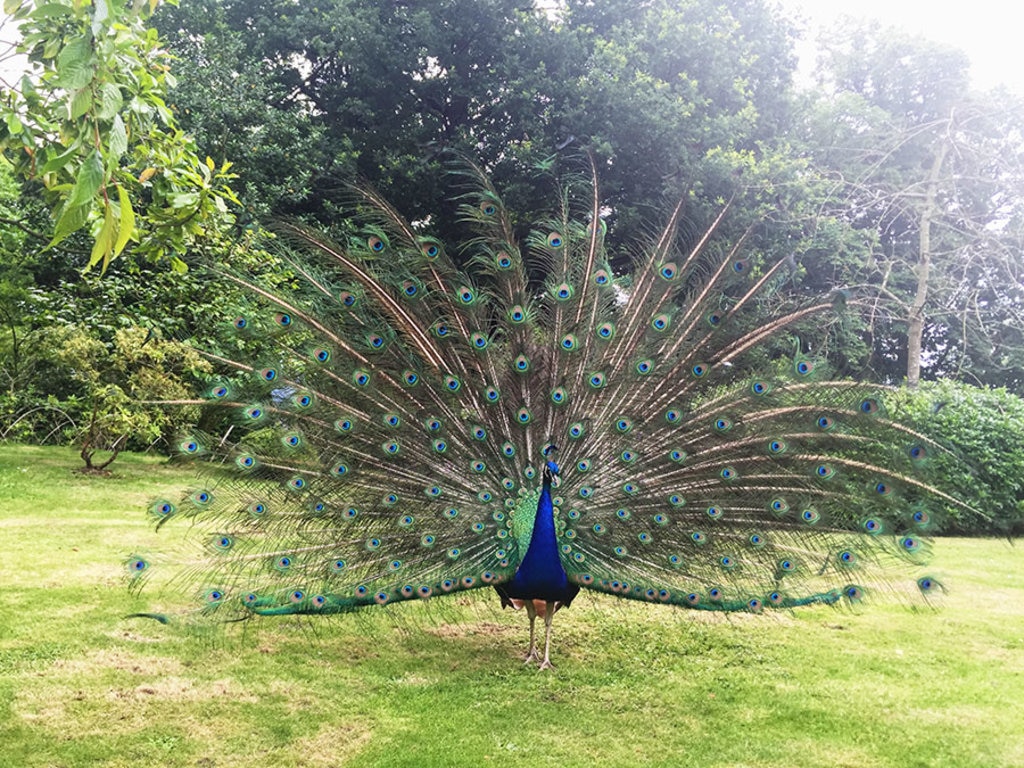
{"x": 522, "y": 412}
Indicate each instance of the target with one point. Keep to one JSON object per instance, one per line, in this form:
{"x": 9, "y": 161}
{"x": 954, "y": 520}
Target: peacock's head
{"x": 550, "y": 466}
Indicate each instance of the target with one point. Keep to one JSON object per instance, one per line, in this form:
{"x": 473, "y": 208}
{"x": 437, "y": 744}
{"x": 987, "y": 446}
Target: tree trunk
{"x": 915, "y": 321}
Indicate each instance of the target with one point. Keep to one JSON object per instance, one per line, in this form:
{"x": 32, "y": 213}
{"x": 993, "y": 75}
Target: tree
{"x": 121, "y": 388}
{"x": 936, "y": 172}
{"x": 670, "y": 96}
{"x": 88, "y": 121}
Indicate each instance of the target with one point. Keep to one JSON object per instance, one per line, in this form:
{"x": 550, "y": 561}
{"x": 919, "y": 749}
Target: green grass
{"x": 442, "y": 684}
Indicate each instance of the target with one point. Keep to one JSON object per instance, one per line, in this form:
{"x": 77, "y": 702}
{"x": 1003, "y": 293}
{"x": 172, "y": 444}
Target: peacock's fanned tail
{"x": 396, "y": 435}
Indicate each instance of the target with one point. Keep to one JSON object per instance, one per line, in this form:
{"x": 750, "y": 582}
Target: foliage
{"x": 983, "y": 427}
{"x": 40, "y": 399}
{"x": 670, "y": 96}
{"x": 935, "y": 172}
{"x": 88, "y": 120}
{"x": 15, "y": 279}
{"x": 673, "y": 100}
{"x": 104, "y": 397}
{"x": 690, "y": 96}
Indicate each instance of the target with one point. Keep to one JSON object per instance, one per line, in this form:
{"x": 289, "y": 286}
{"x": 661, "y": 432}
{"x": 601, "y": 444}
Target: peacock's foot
{"x": 546, "y": 664}
{"x": 531, "y": 656}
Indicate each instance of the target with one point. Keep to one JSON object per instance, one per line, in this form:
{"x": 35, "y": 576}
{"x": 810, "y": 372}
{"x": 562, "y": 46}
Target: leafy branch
{"x": 89, "y": 120}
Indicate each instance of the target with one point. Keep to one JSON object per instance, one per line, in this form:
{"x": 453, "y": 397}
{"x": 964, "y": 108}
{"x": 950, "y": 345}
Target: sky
{"x": 988, "y": 31}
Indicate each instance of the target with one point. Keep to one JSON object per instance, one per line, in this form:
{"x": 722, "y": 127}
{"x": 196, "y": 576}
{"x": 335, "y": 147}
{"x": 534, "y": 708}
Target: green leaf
{"x": 111, "y": 101}
{"x": 126, "y": 225}
{"x": 28, "y": 90}
{"x": 81, "y": 103}
{"x": 96, "y": 96}
{"x": 183, "y": 199}
{"x": 117, "y": 141}
{"x": 103, "y": 248}
{"x": 52, "y": 11}
{"x": 50, "y": 48}
{"x": 75, "y": 64}
{"x": 88, "y": 180}
{"x": 100, "y": 16}
{"x": 72, "y": 218}
{"x": 58, "y": 162}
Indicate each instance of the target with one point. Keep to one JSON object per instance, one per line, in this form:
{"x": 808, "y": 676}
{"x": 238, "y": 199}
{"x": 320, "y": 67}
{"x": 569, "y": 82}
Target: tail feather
{"x": 394, "y": 445}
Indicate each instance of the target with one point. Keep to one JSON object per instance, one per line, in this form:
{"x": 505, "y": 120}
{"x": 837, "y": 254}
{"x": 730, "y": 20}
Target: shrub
{"x": 984, "y": 429}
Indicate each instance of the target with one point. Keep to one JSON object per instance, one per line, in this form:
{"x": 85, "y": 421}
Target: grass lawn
{"x": 442, "y": 683}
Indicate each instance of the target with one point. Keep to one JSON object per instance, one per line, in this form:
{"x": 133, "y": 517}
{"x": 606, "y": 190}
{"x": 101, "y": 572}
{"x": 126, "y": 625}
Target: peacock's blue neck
{"x": 540, "y": 575}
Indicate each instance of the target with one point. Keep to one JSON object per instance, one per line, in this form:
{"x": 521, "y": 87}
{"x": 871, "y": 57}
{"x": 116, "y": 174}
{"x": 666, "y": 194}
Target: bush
{"x": 72, "y": 387}
{"x": 984, "y": 428}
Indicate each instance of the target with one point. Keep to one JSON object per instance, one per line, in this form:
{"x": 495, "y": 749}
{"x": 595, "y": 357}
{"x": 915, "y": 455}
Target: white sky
{"x": 988, "y": 31}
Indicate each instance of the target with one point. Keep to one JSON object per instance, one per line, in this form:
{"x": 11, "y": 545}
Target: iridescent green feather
{"x": 393, "y": 446}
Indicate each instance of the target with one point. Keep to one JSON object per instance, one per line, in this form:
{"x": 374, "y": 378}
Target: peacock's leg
{"x": 531, "y": 612}
{"x": 549, "y": 614}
